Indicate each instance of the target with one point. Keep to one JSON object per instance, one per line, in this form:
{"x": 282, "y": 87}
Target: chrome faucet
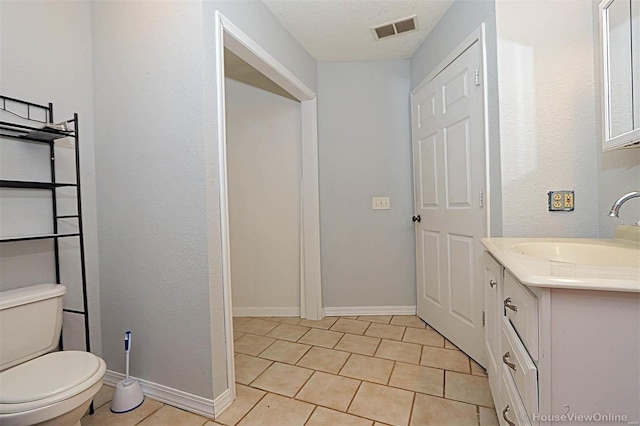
{"x": 615, "y": 209}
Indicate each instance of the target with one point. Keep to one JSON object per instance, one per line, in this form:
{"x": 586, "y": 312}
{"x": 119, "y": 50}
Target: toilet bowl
{"x": 39, "y": 387}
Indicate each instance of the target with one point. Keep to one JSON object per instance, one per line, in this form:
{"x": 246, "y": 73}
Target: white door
{"x": 447, "y": 121}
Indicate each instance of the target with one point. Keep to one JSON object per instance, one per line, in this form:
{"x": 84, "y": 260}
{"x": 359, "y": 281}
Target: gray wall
{"x": 156, "y": 163}
{"x": 35, "y": 36}
{"x": 368, "y": 256}
{"x": 547, "y": 116}
{"x": 462, "y": 18}
{"x": 151, "y": 187}
{"x": 263, "y": 169}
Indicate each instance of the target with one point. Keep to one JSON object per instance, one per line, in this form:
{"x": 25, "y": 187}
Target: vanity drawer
{"x": 512, "y": 411}
{"x": 521, "y": 307}
{"x": 522, "y": 369}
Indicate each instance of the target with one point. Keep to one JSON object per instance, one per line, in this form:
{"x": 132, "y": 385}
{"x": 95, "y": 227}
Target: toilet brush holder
{"x": 128, "y": 394}
{"x": 126, "y": 397}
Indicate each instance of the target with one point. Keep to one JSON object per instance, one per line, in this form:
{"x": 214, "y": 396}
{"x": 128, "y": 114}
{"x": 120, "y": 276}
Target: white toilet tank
{"x": 30, "y": 322}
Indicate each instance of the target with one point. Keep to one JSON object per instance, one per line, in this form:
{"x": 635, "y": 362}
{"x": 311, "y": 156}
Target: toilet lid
{"x": 46, "y": 376}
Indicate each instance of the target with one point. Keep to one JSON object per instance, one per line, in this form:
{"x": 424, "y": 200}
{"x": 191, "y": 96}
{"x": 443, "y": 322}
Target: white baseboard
{"x": 266, "y": 312}
{"x": 222, "y": 402}
{"x": 369, "y": 310}
{"x": 177, "y": 398}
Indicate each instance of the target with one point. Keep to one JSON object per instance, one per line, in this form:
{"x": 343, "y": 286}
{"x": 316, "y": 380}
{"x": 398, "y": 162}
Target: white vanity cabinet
{"x": 561, "y": 354}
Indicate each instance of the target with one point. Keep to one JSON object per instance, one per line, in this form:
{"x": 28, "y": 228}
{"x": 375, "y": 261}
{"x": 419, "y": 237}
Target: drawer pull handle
{"x": 508, "y": 305}
{"x": 504, "y": 416}
{"x": 492, "y": 283}
{"x": 507, "y": 363}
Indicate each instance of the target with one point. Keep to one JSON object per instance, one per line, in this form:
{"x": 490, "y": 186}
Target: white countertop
{"x": 540, "y": 272}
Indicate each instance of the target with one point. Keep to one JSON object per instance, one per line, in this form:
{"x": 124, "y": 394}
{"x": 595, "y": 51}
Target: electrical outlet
{"x": 381, "y": 203}
{"x": 568, "y": 200}
{"x": 562, "y": 201}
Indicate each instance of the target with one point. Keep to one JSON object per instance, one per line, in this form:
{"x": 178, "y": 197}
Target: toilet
{"x": 38, "y": 386}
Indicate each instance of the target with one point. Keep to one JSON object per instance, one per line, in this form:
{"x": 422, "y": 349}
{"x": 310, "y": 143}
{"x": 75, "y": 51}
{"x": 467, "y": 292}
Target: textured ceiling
{"x": 340, "y": 30}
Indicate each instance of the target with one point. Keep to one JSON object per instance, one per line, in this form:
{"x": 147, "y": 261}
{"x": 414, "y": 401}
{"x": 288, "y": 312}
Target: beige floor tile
{"x": 433, "y": 411}
{"x": 352, "y": 317}
{"x": 246, "y": 399}
{"x": 103, "y": 416}
{"x": 350, "y": 326}
{"x": 358, "y": 344}
{"x": 418, "y": 378}
{"x": 449, "y": 345}
{"x": 325, "y": 417}
{"x": 366, "y": 368}
{"x": 249, "y": 367}
{"x": 399, "y": 351}
{"x": 238, "y": 335}
{"x": 327, "y": 360}
{"x": 383, "y": 319}
{"x": 283, "y": 379}
{"x": 324, "y": 323}
{"x": 286, "y": 320}
{"x": 329, "y": 390}
{"x": 488, "y": 417}
{"x": 257, "y": 326}
{"x": 103, "y": 396}
{"x": 210, "y": 423}
{"x": 241, "y": 320}
{"x": 385, "y": 331}
{"x": 408, "y": 321}
{"x": 380, "y": 424}
{"x": 282, "y": 351}
{"x": 477, "y": 369}
{"x": 169, "y": 416}
{"x": 275, "y": 410}
{"x": 324, "y": 338}
{"x": 445, "y": 359}
{"x": 288, "y": 332}
{"x": 252, "y": 345}
{"x": 382, "y": 403}
{"x": 467, "y": 388}
{"x": 423, "y": 337}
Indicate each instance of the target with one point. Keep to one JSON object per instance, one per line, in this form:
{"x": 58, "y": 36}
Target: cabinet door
{"x": 493, "y": 321}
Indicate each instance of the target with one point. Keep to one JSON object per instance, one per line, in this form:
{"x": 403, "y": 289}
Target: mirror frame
{"x": 626, "y": 139}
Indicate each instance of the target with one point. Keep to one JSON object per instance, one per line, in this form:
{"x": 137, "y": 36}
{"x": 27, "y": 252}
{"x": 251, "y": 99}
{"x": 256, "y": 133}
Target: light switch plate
{"x": 381, "y": 203}
{"x": 561, "y": 201}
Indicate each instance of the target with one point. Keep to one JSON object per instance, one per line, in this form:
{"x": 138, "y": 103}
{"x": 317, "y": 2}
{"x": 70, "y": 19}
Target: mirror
{"x": 620, "y": 25}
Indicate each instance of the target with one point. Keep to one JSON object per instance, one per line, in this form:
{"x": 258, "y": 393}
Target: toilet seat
{"x": 48, "y": 379}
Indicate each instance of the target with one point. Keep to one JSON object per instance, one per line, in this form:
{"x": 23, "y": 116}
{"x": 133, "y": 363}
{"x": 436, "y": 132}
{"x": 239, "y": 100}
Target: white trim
{"x": 222, "y": 402}
{"x": 252, "y": 53}
{"x": 177, "y": 398}
{"x": 266, "y": 312}
{"x": 229, "y": 36}
{"x": 369, "y": 310}
{"x": 310, "y": 253}
{"x": 224, "y": 209}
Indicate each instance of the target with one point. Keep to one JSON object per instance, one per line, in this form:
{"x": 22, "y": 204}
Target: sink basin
{"x": 592, "y": 254}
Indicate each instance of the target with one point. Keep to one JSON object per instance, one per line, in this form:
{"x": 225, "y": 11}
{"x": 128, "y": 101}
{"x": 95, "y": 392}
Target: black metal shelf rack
{"x": 36, "y": 126}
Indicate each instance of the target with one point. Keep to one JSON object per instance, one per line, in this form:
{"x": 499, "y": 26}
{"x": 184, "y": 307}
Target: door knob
{"x": 416, "y": 218}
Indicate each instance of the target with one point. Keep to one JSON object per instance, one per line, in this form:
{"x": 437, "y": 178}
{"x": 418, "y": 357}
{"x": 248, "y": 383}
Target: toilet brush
{"x": 128, "y": 394}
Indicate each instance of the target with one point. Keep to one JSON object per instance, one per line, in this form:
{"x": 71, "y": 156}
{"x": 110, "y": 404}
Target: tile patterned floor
{"x": 340, "y": 371}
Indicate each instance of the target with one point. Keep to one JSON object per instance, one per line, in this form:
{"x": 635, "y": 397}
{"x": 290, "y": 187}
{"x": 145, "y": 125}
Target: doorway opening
{"x": 230, "y": 37}
{"x": 263, "y": 180}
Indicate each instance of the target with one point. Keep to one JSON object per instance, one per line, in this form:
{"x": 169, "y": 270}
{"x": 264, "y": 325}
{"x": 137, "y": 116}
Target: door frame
{"x": 478, "y": 35}
{"x": 228, "y": 35}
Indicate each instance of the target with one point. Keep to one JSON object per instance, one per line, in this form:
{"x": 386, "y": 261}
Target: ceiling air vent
{"x": 400, "y": 26}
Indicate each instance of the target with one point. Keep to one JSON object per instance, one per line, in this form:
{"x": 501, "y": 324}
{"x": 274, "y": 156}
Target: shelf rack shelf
{"x": 34, "y": 123}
